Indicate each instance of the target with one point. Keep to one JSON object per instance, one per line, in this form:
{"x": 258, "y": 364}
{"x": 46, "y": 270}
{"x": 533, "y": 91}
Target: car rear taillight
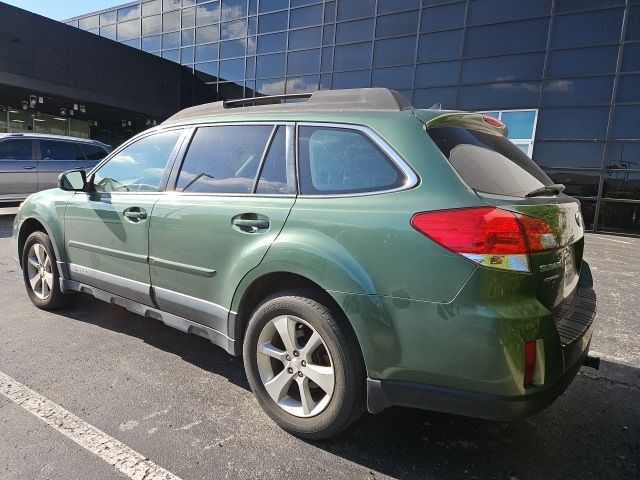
{"x": 529, "y": 362}
{"x": 488, "y": 236}
{"x": 493, "y": 121}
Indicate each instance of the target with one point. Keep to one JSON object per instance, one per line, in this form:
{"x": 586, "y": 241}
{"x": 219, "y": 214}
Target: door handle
{"x": 251, "y": 223}
{"x": 135, "y": 214}
{"x": 29, "y": 167}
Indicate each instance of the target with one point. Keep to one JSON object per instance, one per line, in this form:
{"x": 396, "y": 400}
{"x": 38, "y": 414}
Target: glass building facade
{"x": 564, "y": 75}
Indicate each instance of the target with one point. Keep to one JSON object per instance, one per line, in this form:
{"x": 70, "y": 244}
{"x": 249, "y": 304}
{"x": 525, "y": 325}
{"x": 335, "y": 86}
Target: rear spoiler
{"x": 467, "y": 120}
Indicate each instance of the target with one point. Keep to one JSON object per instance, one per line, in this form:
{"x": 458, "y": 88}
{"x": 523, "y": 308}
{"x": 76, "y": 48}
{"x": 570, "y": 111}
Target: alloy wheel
{"x": 295, "y": 366}
{"x": 39, "y": 271}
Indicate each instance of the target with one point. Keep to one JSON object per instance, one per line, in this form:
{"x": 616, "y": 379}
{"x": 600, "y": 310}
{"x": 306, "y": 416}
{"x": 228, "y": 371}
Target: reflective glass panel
{"x": 232, "y": 9}
{"x": 171, "y": 21}
{"x": 446, "y": 17}
{"x": 151, "y": 44}
{"x": 437, "y": 74}
{"x": 404, "y": 23}
{"x": 572, "y": 123}
{"x": 502, "y": 39}
{"x": 207, "y": 34}
{"x": 595, "y": 28}
{"x": 509, "y": 67}
{"x": 354, "y": 56}
{"x": 304, "y": 17}
{"x": 207, "y": 13}
{"x": 206, "y": 52}
{"x": 626, "y": 124}
{"x": 305, "y": 38}
{"x": 568, "y": 154}
{"x": 128, "y": 30}
{"x": 395, "y": 78}
{"x": 232, "y": 69}
{"x": 394, "y": 51}
{"x": 577, "y": 91}
{"x": 268, "y": 66}
{"x": 348, "y": 9}
{"x": 235, "y": 29}
{"x": 355, "y": 31}
{"x": 306, "y": 61}
{"x": 152, "y": 25}
{"x": 352, "y": 79}
{"x": 494, "y": 11}
{"x": 273, "y": 22}
{"x": 434, "y": 47}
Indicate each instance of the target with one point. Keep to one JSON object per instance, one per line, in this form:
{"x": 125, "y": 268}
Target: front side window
{"x": 15, "y": 150}
{"x": 343, "y": 161}
{"x": 223, "y": 159}
{"x": 57, "y": 150}
{"x": 139, "y": 167}
{"x": 94, "y": 152}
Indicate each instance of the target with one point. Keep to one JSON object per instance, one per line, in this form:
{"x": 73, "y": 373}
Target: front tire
{"x": 304, "y": 364}
{"x": 40, "y": 273}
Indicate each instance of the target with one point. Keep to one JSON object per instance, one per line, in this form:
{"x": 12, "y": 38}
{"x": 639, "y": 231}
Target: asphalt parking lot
{"x": 186, "y": 406}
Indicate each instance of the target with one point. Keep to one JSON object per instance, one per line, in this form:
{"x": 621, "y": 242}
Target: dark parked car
{"x": 30, "y": 162}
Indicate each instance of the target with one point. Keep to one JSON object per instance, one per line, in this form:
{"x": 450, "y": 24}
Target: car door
{"x": 55, "y": 157}
{"x": 107, "y": 230}
{"x": 17, "y": 168}
{"x": 233, "y": 193}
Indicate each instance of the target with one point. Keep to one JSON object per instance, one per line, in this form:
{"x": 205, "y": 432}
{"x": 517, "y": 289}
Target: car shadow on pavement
{"x": 592, "y": 430}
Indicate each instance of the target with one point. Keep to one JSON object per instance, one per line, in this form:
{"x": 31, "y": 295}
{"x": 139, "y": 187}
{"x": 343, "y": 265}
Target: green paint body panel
{"x": 421, "y": 313}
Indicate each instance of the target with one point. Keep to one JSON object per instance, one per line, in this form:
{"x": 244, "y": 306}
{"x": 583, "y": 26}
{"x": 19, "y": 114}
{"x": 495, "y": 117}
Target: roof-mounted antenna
{"x": 436, "y": 106}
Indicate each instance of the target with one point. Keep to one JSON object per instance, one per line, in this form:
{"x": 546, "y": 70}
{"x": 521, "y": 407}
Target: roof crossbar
{"x": 265, "y": 100}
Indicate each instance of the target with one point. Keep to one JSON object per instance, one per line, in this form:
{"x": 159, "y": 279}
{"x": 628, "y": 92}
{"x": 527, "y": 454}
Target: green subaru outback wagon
{"x": 359, "y": 253}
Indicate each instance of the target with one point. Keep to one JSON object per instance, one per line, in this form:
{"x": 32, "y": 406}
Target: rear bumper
{"x": 385, "y": 393}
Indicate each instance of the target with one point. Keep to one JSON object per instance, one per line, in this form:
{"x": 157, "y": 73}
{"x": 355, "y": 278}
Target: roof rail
{"x": 265, "y": 100}
{"x": 348, "y": 100}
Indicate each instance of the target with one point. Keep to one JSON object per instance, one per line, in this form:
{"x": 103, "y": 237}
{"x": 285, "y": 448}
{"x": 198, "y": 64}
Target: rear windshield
{"x": 489, "y": 162}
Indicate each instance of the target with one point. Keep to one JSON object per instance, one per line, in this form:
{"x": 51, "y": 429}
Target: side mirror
{"x": 73, "y": 181}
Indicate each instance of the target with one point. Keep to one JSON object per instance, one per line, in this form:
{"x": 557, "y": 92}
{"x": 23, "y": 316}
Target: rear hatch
{"x": 505, "y": 177}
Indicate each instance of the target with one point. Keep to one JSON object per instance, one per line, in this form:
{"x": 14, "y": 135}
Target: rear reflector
{"x": 488, "y": 236}
{"x": 529, "y": 362}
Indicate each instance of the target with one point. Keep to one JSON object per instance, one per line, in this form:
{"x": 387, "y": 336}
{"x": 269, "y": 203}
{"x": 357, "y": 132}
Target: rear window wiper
{"x": 554, "y": 189}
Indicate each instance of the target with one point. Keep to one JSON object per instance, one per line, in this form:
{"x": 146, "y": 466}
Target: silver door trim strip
{"x": 134, "y": 257}
{"x": 214, "y": 336}
{"x": 182, "y": 267}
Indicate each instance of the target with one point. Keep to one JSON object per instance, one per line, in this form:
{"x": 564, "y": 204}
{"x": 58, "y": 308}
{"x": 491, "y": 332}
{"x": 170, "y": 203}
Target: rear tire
{"x": 40, "y": 273}
{"x": 304, "y": 364}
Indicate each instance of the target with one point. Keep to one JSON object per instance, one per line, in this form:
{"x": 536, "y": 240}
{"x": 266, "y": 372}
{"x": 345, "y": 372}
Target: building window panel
{"x": 308, "y": 83}
{"x": 188, "y": 37}
{"x": 128, "y": 30}
{"x": 584, "y": 29}
{"x": 151, "y": 8}
{"x": 405, "y": 23}
{"x": 445, "y": 17}
{"x": 435, "y": 47}
{"x": 577, "y": 91}
{"x": 135, "y": 43}
{"x": 232, "y": 9}
{"x": 623, "y": 184}
{"x": 510, "y": 67}
{"x": 563, "y": 6}
{"x": 582, "y": 61}
{"x": 173, "y": 55}
{"x": 494, "y": 11}
{"x": 355, "y": 31}
{"x": 274, "y": 86}
{"x": 499, "y": 95}
{"x": 170, "y": 40}
{"x": 276, "y": 42}
{"x": 326, "y": 60}
{"x": 305, "y": 38}
{"x": 390, "y": 6}
{"x": 350, "y": 57}
{"x": 171, "y": 21}
{"x": 349, "y": 9}
{"x": 633, "y": 26}
{"x": 361, "y": 79}
{"x": 629, "y": 89}
{"x": 568, "y": 154}
{"x": 427, "y": 97}
{"x": 152, "y": 25}
{"x": 273, "y": 22}
{"x": 233, "y": 48}
{"x": 88, "y": 23}
{"x": 235, "y": 29}
{"x": 328, "y": 34}
{"x": 395, "y": 78}
{"x": 209, "y": 33}
{"x": 107, "y": 18}
{"x": 329, "y": 12}
{"x": 503, "y": 39}
{"x": 625, "y": 122}
{"x": 305, "y": 17}
{"x": 578, "y": 183}
{"x": 128, "y": 13}
{"x": 232, "y": 70}
{"x": 207, "y": 13}
{"x": 620, "y": 216}
{"x": 631, "y": 57}
{"x": 250, "y": 70}
{"x": 266, "y": 6}
{"x": 207, "y": 52}
{"x": 306, "y": 61}
{"x": 394, "y": 51}
{"x": 437, "y": 74}
{"x": 270, "y": 66}
{"x": 207, "y": 72}
{"x": 583, "y": 123}
{"x": 186, "y": 55}
{"x": 624, "y": 155}
{"x": 152, "y": 44}
{"x": 188, "y": 17}
{"x": 108, "y": 32}
{"x": 170, "y": 5}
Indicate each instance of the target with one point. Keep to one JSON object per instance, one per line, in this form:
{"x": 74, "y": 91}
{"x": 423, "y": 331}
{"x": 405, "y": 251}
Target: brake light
{"x": 488, "y": 236}
{"x": 529, "y": 362}
{"x": 492, "y": 121}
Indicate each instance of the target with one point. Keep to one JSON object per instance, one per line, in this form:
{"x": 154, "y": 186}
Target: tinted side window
{"x": 223, "y": 159}
{"x": 341, "y": 161}
{"x": 273, "y": 177}
{"x": 93, "y": 152}
{"x": 138, "y": 167}
{"x": 57, "y": 150}
{"x": 15, "y": 150}
{"x": 489, "y": 162}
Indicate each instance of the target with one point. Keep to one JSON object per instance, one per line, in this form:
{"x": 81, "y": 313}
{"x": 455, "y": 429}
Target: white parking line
{"x": 115, "y": 453}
